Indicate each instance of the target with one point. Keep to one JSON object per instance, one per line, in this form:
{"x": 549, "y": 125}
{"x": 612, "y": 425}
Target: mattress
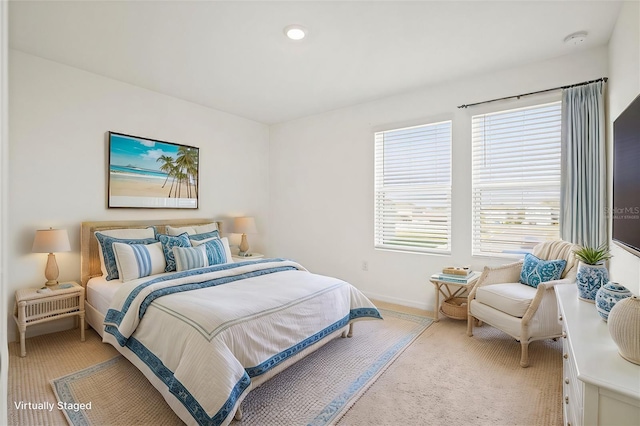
{"x": 100, "y": 292}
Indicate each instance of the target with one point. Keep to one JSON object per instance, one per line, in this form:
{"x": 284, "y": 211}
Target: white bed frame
{"x": 90, "y": 267}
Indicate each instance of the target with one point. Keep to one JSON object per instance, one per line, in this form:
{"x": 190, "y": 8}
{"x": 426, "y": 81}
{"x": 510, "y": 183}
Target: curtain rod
{"x": 535, "y": 93}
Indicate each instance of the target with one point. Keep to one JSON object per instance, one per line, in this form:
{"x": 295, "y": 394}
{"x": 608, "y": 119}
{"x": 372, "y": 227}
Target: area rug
{"x": 316, "y": 391}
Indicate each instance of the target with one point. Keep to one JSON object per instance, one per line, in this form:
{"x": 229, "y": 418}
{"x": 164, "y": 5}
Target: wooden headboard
{"x": 89, "y": 254}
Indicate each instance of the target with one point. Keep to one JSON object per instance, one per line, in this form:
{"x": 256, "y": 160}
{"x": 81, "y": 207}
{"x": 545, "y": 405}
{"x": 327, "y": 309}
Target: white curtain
{"x": 584, "y": 166}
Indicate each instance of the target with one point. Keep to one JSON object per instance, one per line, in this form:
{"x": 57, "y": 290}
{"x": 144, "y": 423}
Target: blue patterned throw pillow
{"x": 106, "y": 245}
{"x": 536, "y": 271}
{"x": 168, "y": 243}
{"x": 205, "y": 235}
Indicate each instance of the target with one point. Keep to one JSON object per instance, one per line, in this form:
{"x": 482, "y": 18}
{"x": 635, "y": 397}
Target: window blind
{"x": 413, "y": 188}
{"x": 516, "y": 179}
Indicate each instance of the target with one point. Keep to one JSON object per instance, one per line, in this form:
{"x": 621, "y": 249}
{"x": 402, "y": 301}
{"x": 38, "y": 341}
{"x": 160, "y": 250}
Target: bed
{"x": 205, "y": 336}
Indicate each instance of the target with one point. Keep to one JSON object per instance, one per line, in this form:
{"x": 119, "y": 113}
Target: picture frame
{"x": 151, "y": 174}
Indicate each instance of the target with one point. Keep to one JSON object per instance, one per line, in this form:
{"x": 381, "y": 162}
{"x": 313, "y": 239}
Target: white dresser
{"x": 599, "y": 386}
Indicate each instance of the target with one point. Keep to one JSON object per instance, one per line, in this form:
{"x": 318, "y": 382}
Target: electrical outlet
{"x": 365, "y": 265}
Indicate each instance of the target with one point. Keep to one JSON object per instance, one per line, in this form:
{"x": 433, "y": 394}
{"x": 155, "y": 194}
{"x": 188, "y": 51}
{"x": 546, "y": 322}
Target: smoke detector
{"x": 576, "y": 39}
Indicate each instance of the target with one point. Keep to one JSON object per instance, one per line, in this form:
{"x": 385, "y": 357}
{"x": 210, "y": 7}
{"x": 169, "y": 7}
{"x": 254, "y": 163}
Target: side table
{"x": 32, "y": 307}
{"x": 252, "y": 256}
{"x": 450, "y": 289}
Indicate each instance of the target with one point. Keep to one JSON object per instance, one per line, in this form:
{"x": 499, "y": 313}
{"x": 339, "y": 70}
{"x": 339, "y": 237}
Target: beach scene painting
{"x": 147, "y": 173}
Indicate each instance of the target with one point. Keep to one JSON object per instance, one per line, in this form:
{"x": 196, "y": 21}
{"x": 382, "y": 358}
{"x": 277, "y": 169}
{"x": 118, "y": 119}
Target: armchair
{"x": 524, "y": 312}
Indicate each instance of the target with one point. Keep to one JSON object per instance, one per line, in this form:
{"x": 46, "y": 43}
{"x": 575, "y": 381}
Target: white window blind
{"x": 516, "y": 179}
{"x": 413, "y": 188}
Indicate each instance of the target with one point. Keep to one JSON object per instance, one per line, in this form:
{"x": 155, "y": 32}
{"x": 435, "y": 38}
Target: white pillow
{"x": 135, "y": 233}
{"x": 225, "y": 242}
{"x": 139, "y": 260}
{"x": 190, "y": 257}
{"x": 192, "y": 230}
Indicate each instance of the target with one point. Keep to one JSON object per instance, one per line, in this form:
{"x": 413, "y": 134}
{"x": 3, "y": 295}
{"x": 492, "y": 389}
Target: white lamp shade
{"x": 245, "y": 225}
{"x": 51, "y": 241}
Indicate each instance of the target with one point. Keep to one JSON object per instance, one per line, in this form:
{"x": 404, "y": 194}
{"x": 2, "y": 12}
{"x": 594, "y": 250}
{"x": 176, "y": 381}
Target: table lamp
{"x": 51, "y": 241}
{"x": 244, "y": 226}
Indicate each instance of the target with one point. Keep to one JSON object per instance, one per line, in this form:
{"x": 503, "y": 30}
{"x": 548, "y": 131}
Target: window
{"x": 516, "y": 179}
{"x": 413, "y": 188}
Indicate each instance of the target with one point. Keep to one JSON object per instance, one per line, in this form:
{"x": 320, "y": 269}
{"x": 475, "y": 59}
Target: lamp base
{"x": 51, "y": 271}
{"x": 244, "y": 245}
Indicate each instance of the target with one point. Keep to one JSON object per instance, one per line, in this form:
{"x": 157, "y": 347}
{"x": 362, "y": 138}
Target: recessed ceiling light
{"x": 295, "y": 32}
{"x": 576, "y": 38}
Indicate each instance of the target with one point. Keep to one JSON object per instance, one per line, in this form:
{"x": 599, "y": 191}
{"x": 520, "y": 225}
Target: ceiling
{"x": 234, "y": 57}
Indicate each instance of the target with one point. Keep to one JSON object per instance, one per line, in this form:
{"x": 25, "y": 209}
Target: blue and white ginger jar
{"x": 589, "y": 279}
{"x": 608, "y": 295}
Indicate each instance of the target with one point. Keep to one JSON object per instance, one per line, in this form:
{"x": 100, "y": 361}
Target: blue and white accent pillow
{"x": 205, "y": 236}
{"x": 218, "y": 250}
{"x": 168, "y": 243}
{"x": 536, "y": 271}
{"x": 190, "y": 257}
{"x": 193, "y": 230}
{"x": 106, "y": 245}
{"x": 139, "y": 260}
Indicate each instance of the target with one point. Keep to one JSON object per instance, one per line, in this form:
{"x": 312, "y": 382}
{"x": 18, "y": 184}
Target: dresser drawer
{"x": 572, "y": 388}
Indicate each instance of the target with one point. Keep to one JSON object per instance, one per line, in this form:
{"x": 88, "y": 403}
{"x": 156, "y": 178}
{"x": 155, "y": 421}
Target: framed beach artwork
{"x": 147, "y": 173}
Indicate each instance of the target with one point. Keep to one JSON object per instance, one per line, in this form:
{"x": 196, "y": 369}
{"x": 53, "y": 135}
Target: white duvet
{"x": 205, "y": 333}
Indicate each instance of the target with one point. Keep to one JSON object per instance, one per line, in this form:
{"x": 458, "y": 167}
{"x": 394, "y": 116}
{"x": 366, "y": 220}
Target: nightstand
{"x": 32, "y": 307}
{"x": 253, "y": 256}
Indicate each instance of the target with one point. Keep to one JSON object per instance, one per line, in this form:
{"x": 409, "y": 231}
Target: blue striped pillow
{"x": 138, "y": 260}
{"x": 106, "y": 245}
{"x": 190, "y": 257}
{"x": 215, "y": 252}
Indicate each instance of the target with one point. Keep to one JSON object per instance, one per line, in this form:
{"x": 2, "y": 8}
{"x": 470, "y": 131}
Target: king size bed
{"x": 203, "y": 329}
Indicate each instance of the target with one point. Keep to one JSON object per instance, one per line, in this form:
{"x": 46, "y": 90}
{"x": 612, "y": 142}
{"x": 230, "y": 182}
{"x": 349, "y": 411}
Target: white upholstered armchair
{"x": 524, "y": 312}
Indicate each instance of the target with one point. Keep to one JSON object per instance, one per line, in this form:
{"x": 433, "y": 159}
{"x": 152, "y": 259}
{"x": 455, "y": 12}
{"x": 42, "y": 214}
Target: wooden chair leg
{"x": 524, "y": 358}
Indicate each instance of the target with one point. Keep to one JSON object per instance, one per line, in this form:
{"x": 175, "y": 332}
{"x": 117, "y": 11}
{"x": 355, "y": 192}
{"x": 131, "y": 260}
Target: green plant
{"x": 593, "y": 256}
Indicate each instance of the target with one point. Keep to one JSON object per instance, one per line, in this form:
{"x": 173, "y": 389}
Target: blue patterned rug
{"x": 315, "y": 391}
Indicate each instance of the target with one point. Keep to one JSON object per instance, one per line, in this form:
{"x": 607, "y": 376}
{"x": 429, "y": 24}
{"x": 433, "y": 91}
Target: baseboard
{"x": 397, "y": 301}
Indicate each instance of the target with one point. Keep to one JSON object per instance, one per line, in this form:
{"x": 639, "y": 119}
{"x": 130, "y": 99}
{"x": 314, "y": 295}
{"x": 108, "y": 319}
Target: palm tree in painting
{"x": 174, "y": 174}
{"x": 187, "y": 162}
{"x": 180, "y": 177}
{"x": 181, "y": 170}
{"x": 167, "y": 167}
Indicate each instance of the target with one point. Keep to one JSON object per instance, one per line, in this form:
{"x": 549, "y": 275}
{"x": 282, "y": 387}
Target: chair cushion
{"x": 536, "y": 271}
{"x": 510, "y": 298}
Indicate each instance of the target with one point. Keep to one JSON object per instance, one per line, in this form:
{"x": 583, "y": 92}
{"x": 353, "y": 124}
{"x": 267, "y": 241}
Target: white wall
{"x": 624, "y": 86}
{"x": 58, "y": 160}
{"x": 321, "y": 177}
{"x": 4, "y": 154}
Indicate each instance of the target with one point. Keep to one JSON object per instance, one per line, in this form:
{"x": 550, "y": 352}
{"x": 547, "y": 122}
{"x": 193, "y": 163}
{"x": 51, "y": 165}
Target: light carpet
{"x": 444, "y": 377}
{"x": 314, "y": 391}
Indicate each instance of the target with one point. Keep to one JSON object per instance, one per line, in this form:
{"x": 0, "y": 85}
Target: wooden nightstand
{"x": 254, "y": 256}
{"x": 32, "y": 307}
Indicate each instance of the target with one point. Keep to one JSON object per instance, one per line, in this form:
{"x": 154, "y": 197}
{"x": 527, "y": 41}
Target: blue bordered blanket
{"x": 201, "y": 336}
